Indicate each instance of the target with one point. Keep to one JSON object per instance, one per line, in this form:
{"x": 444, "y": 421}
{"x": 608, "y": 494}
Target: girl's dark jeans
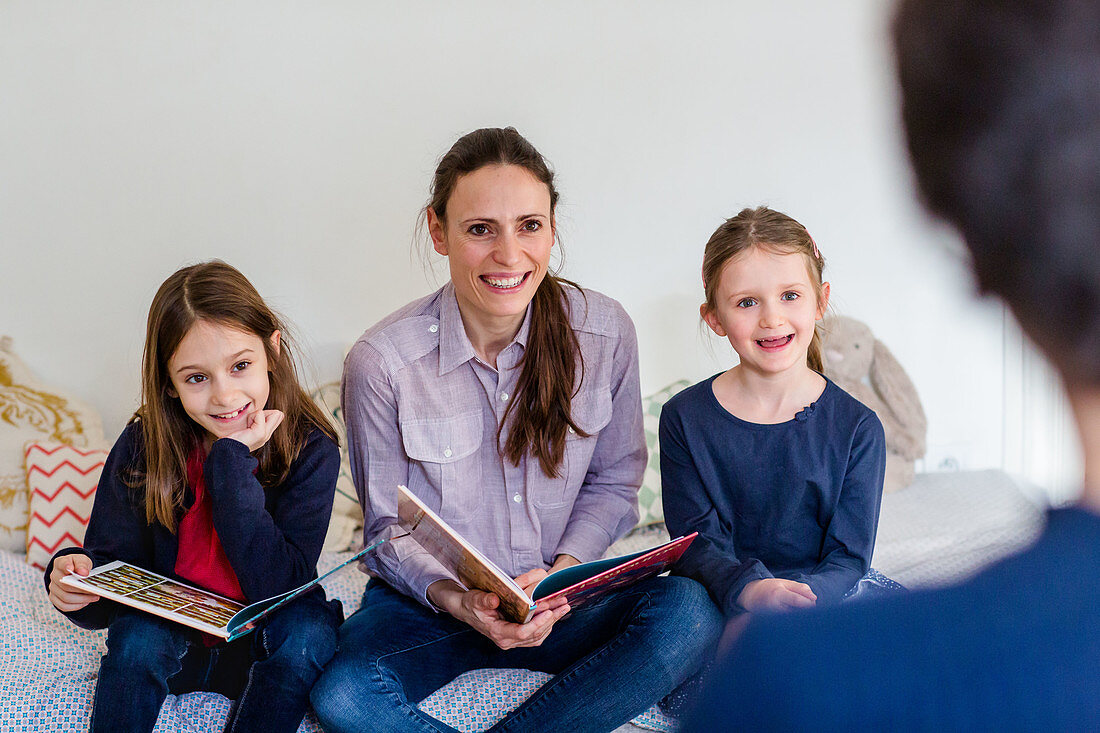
{"x": 268, "y": 673}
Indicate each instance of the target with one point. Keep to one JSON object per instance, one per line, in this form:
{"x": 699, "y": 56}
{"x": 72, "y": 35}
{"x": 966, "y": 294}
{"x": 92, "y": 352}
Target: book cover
{"x": 579, "y": 583}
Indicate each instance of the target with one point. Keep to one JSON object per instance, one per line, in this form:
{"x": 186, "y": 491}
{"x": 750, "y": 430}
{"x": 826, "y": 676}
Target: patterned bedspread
{"x": 48, "y": 669}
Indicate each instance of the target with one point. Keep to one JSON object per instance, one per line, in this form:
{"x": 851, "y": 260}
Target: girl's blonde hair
{"x": 218, "y": 293}
{"x": 771, "y": 230}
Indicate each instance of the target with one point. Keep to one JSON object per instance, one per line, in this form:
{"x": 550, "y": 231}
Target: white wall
{"x": 296, "y": 141}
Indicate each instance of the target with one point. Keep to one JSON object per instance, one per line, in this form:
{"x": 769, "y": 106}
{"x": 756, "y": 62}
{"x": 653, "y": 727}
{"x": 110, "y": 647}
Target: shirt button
{"x": 433, "y": 328}
{"x": 517, "y": 498}
{"x": 447, "y": 452}
{"x": 503, "y": 396}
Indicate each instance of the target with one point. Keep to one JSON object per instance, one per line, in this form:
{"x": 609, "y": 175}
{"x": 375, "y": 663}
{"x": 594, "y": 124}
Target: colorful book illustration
{"x": 579, "y": 584}
{"x": 185, "y": 604}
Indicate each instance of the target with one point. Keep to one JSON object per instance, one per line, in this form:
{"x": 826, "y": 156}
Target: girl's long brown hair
{"x": 550, "y": 363}
{"x": 771, "y": 230}
{"x": 218, "y": 293}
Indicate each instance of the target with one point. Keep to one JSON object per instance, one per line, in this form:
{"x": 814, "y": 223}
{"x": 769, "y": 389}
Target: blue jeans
{"x": 268, "y": 672}
{"x": 612, "y": 659}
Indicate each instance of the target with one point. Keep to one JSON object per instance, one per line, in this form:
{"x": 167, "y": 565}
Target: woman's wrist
{"x": 445, "y": 595}
{"x": 564, "y": 561}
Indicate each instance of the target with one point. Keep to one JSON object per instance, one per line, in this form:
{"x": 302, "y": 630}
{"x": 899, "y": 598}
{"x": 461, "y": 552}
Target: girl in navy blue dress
{"x": 778, "y": 469}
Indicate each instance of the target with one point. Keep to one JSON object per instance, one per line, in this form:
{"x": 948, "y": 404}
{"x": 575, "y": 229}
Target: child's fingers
{"x": 73, "y": 595}
{"x": 69, "y": 600}
{"x": 80, "y": 563}
{"x": 62, "y": 596}
{"x": 77, "y": 563}
{"x": 272, "y": 420}
{"x": 803, "y": 590}
{"x": 797, "y": 600}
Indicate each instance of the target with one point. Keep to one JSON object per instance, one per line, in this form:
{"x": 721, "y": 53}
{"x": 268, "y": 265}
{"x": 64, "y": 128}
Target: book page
{"x": 160, "y": 596}
{"x": 587, "y": 581}
{"x": 472, "y": 568}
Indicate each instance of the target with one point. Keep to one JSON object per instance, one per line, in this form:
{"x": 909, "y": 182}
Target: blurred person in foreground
{"x": 1001, "y": 107}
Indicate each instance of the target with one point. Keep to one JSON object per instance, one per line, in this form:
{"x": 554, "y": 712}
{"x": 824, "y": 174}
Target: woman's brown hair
{"x": 217, "y": 293}
{"x": 770, "y": 230}
{"x": 549, "y": 366}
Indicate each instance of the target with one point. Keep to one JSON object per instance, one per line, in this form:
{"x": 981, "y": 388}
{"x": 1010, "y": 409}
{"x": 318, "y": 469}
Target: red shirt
{"x": 200, "y": 558}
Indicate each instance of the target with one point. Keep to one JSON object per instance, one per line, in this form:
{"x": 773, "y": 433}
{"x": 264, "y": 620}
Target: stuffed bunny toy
{"x": 863, "y": 367}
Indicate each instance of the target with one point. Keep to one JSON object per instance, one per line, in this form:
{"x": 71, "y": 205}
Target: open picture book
{"x": 185, "y": 604}
{"x": 579, "y": 584}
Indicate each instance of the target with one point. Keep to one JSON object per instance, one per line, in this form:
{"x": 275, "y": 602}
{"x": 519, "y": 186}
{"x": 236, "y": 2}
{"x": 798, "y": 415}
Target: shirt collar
{"x": 455, "y": 348}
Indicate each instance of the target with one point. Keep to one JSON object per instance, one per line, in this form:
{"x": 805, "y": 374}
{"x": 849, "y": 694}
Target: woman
{"x": 508, "y": 401}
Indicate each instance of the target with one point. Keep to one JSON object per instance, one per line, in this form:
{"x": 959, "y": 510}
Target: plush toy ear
{"x": 897, "y": 391}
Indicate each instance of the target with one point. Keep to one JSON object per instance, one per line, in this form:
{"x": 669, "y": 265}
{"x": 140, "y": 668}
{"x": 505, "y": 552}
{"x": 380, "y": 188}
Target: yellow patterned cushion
{"x": 29, "y": 410}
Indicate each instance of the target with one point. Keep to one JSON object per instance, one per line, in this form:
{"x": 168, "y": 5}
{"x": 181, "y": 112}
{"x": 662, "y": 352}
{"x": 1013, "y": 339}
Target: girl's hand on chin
{"x": 261, "y": 425}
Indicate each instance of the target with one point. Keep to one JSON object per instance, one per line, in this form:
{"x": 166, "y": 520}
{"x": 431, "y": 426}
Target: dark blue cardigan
{"x": 272, "y": 536}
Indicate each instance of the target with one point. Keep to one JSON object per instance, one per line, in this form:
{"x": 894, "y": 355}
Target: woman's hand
{"x": 776, "y": 594}
{"x": 62, "y": 596}
{"x": 260, "y": 427}
{"x": 480, "y": 610}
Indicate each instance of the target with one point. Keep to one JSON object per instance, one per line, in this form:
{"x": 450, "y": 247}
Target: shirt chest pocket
{"x": 592, "y": 413}
{"x": 444, "y": 450}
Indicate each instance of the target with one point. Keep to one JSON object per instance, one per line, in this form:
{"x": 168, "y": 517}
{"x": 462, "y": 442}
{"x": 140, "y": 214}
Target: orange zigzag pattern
{"x": 62, "y": 487}
{"x": 78, "y": 469}
{"x": 63, "y": 512}
{"x": 40, "y": 449}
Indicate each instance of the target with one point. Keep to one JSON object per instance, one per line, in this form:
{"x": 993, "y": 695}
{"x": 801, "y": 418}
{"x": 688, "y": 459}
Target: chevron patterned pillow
{"x": 31, "y": 410}
{"x": 62, "y": 480}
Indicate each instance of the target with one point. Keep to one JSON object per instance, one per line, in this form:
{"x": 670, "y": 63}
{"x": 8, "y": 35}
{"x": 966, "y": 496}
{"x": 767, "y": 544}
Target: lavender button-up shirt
{"x": 422, "y": 410}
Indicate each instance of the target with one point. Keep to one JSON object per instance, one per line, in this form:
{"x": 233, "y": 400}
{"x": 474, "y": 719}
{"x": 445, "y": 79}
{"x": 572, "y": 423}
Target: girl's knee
{"x": 306, "y": 646}
{"x": 303, "y": 635}
{"x": 141, "y": 641}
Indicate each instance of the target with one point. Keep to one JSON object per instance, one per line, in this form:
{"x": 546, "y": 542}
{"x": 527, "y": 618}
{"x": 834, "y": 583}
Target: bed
{"x": 939, "y": 530}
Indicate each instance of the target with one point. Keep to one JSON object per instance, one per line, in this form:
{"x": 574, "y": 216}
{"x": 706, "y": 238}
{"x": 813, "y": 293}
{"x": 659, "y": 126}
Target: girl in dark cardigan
{"x": 223, "y": 479}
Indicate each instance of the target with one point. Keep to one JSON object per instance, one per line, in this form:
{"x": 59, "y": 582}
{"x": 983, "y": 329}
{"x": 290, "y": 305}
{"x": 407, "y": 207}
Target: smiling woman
{"x": 507, "y": 401}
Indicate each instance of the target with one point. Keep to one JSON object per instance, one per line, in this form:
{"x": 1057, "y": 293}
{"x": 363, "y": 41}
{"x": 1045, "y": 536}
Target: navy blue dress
{"x": 796, "y": 500}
